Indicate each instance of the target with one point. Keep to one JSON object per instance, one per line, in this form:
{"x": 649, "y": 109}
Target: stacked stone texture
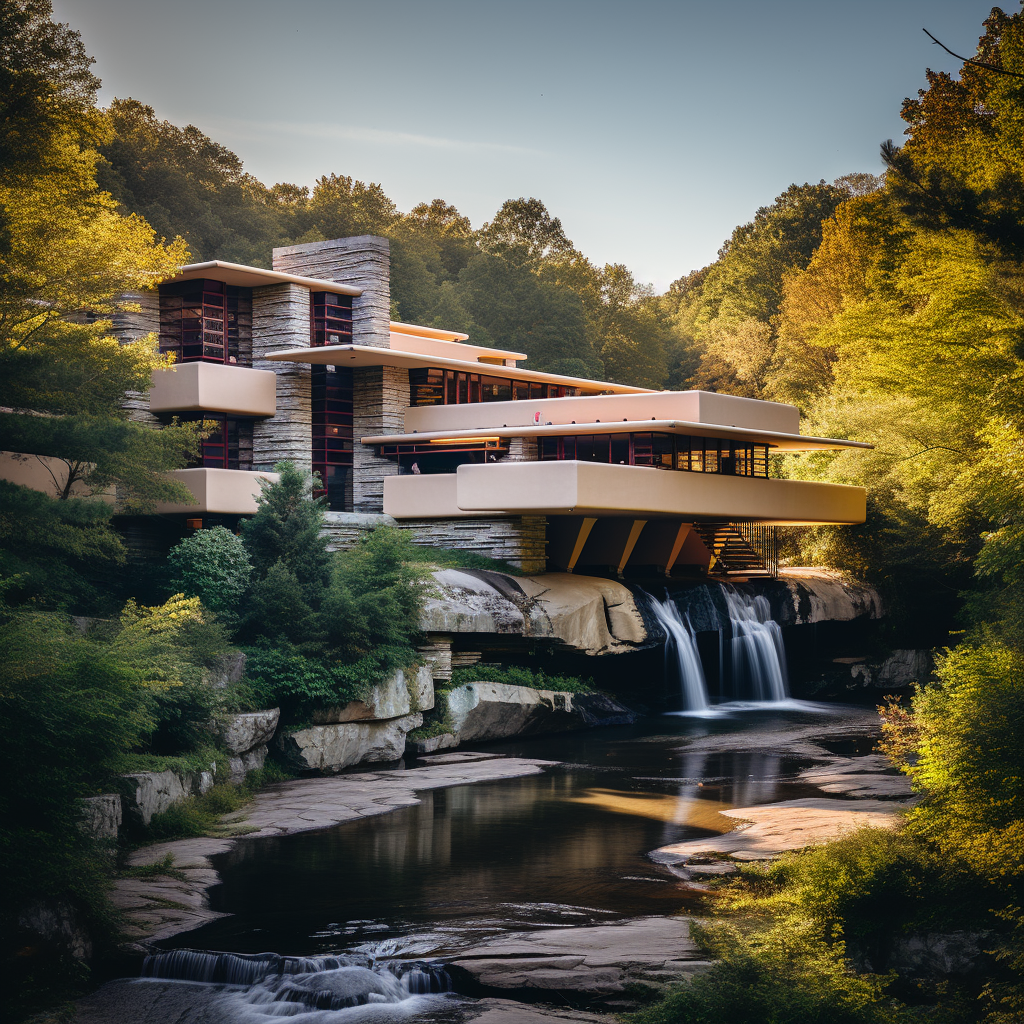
{"x": 280, "y": 314}
{"x": 518, "y": 540}
{"x": 522, "y": 449}
{"x": 363, "y": 262}
{"x": 380, "y": 396}
{"x": 130, "y": 325}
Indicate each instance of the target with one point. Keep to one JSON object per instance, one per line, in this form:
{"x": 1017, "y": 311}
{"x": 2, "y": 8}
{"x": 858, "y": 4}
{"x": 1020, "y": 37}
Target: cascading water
{"x": 259, "y": 985}
{"x": 682, "y": 661}
{"x": 752, "y": 657}
{"x": 758, "y": 654}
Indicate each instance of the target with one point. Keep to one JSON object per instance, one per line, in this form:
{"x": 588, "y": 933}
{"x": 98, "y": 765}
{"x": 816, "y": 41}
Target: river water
{"x": 568, "y": 846}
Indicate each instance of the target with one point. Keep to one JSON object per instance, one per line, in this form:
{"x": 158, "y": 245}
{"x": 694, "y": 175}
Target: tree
{"x": 67, "y": 257}
{"x": 214, "y": 566}
{"x": 286, "y": 531}
{"x": 731, "y": 311}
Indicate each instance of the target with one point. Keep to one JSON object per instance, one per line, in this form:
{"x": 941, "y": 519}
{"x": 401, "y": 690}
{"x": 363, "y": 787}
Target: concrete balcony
{"x": 214, "y": 387}
{"x": 218, "y": 491}
{"x": 602, "y": 490}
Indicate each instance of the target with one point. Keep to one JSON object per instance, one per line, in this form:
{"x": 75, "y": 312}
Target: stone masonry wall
{"x": 280, "y": 319}
{"x": 363, "y": 262}
{"x": 522, "y": 449}
{"x": 518, "y": 540}
{"x": 380, "y": 396}
{"x": 130, "y": 325}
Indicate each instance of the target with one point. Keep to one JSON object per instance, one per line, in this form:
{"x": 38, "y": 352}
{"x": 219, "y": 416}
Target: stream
{"x": 385, "y": 898}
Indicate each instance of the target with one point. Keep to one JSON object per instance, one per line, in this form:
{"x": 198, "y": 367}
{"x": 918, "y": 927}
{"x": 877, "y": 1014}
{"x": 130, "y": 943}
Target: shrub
{"x": 214, "y": 566}
{"x": 520, "y": 676}
{"x": 280, "y": 675}
{"x": 781, "y": 975}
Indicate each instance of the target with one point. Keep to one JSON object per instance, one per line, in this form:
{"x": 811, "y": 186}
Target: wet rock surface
{"x": 483, "y": 711}
{"x": 771, "y": 829}
{"x": 590, "y": 962}
{"x": 871, "y": 775}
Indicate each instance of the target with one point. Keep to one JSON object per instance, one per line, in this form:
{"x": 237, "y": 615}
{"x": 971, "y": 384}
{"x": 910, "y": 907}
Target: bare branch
{"x": 968, "y": 60}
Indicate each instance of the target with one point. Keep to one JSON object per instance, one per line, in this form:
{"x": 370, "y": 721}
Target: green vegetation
{"x": 515, "y": 675}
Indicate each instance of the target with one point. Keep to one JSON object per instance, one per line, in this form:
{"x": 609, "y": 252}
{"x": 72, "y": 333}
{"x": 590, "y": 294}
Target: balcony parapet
{"x": 214, "y": 387}
{"x": 603, "y": 490}
{"x": 218, "y": 491}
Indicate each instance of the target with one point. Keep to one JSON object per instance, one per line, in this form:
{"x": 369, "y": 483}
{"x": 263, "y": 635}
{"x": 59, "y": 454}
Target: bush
{"x": 214, "y": 566}
{"x": 519, "y": 676}
{"x": 457, "y": 558}
{"x": 782, "y": 975}
{"x": 280, "y": 675}
{"x": 69, "y": 710}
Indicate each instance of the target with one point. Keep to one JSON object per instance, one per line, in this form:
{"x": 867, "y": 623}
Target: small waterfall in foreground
{"x": 681, "y": 658}
{"x": 260, "y": 983}
{"x": 758, "y": 654}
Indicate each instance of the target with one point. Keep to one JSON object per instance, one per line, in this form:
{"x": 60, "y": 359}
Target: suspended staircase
{"x": 747, "y": 549}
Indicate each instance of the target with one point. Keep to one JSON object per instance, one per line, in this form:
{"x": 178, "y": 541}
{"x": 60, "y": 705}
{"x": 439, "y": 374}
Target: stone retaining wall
{"x": 519, "y": 540}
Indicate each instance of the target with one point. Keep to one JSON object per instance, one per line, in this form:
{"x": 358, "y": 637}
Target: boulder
{"x": 494, "y": 711}
{"x": 896, "y": 672}
{"x": 404, "y": 692}
{"x": 144, "y": 794}
{"x": 101, "y": 815}
{"x": 594, "y": 616}
{"x": 330, "y": 748}
{"x": 251, "y": 760}
{"x": 594, "y": 962}
{"x": 242, "y": 732}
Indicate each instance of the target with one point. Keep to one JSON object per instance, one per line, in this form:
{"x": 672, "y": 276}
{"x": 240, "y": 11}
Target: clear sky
{"x": 651, "y": 128}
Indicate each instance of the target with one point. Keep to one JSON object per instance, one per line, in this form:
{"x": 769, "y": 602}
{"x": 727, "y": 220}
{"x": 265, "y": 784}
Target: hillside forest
{"x": 888, "y": 308}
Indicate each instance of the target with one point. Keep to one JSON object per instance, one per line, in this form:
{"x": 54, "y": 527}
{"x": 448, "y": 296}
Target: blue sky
{"x": 650, "y": 128}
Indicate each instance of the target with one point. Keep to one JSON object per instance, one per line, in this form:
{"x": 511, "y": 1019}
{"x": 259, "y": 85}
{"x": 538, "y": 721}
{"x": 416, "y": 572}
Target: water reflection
{"x": 570, "y": 843}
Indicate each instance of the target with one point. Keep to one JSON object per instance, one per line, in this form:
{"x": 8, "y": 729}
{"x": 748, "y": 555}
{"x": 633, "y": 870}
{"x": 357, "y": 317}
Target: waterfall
{"x": 260, "y": 983}
{"x": 758, "y": 655}
{"x": 681, "y": 657}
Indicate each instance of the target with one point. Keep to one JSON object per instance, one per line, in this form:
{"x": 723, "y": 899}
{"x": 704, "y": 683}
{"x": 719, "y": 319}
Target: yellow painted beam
{"x": 585, "y": 527}
{"x": 677, "y": 546}
{"x": 634, "y": 536}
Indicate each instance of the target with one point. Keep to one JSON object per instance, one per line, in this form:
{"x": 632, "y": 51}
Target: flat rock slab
{"x": 788, "y": 825}
{"x": 796, "y": 740}
{"x": 593, "y": 962}
{"x": 870, "y": 775}
{"x": 160, "y": 907}
{"x": 459, "y": 757}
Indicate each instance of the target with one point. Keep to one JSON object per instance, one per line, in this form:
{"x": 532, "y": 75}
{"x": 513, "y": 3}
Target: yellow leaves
{"x": 71, "y": 249}
{"x": 149, "y": 637}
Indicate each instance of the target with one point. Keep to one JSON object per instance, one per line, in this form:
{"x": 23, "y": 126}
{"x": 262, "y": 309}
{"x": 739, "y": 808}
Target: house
{"x": 459, "y": 443}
